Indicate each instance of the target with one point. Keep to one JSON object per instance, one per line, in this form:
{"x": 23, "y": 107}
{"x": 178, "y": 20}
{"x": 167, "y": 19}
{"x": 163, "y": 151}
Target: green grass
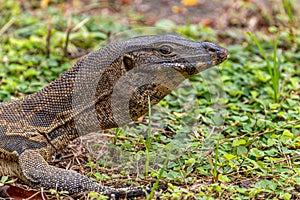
{"x": 274, "y": 68}
{"x": 253, "y": 154}
{"x": 289, "y": 6}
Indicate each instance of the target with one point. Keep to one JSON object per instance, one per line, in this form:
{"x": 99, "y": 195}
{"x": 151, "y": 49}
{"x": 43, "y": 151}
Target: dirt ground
{"x": 210, "y": 12}
{"x": 241, "y": 15}
{"x": 246, "y": 14}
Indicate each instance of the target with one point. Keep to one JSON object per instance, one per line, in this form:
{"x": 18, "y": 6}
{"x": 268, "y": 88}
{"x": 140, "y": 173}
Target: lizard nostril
{"x": 211, "y": 50}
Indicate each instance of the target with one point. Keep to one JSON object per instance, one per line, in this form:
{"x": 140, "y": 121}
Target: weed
{"x": 274, "y": 70}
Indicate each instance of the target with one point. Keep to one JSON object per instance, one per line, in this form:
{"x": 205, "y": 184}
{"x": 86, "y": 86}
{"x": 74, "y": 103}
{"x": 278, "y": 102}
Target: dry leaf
{"x": 18, "y": 193}
{"x": 189, "y": 2}
{"x": 44, "y": 4}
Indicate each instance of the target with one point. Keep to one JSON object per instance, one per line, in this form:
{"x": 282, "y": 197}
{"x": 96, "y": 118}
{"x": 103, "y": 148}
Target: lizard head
{"x": 155, "y": 65}
{"x": 172, "y": 52}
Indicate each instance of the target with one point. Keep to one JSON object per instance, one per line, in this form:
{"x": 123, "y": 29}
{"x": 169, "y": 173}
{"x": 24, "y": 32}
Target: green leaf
{"x": 229, "y": 156}
{"x": 190, "y": 161}
{"x": 257, "y": 153}
{"x": 174, "y": 175}
{"x": 30, "y": 73}
{"x": 223, "y": 178}
{"x": 4, "y": 179}
{"x": 274, "y": 106}
{"x": 286, "y": 196}
{"x": 238, "y": 142}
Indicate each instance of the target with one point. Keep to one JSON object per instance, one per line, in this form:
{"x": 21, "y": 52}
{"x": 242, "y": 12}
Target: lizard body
{"x": 105, "y": 89}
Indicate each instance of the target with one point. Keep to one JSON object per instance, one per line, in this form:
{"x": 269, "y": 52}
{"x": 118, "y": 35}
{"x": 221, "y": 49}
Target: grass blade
{"x": 273, "y": 70}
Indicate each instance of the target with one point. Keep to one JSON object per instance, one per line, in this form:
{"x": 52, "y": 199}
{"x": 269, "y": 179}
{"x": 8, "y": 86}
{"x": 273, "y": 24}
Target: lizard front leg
{"x": 39, "y": 173}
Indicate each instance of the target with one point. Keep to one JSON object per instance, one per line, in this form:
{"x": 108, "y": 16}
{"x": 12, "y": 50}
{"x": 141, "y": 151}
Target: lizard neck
{"x": 78, "y": 102}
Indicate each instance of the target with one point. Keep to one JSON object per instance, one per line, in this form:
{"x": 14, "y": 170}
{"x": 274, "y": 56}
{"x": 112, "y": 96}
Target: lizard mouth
{"x": 195, "y": 65}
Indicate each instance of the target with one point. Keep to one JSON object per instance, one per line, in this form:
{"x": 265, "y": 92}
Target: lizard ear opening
{"x": 128, "y": 62}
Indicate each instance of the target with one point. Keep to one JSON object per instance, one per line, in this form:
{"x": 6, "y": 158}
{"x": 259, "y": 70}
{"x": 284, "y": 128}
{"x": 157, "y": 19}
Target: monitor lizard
{"x": 105, "y": 89}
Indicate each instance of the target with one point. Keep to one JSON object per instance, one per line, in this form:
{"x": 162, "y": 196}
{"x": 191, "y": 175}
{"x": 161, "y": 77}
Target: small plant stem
{"x": 215, "y": 173}
{"x": 118, "y": 131}
{"x": 161, "y": 171}
{"x": 148, "y": 140}
{"x": 276, "y": 72}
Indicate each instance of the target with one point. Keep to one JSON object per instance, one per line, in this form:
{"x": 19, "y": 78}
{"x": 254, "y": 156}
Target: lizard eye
{"x": 128, "y": 62}
{"x": 165, "y": 50}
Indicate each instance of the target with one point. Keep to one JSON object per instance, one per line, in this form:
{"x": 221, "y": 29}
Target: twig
{"x": 80, "y": 24}
{"x": 34, "y": 195}
{"x": 119, "y": 137}
{"x": 6, "y": 26}
{"x": 48, "y": 39}
{"x": 69, "y": 30}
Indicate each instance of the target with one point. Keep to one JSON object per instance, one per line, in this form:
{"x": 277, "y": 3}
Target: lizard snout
{"x": 217, "y": 53}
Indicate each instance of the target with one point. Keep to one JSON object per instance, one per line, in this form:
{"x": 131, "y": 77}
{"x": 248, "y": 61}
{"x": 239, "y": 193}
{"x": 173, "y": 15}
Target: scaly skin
{"x": 105, "y": 89}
